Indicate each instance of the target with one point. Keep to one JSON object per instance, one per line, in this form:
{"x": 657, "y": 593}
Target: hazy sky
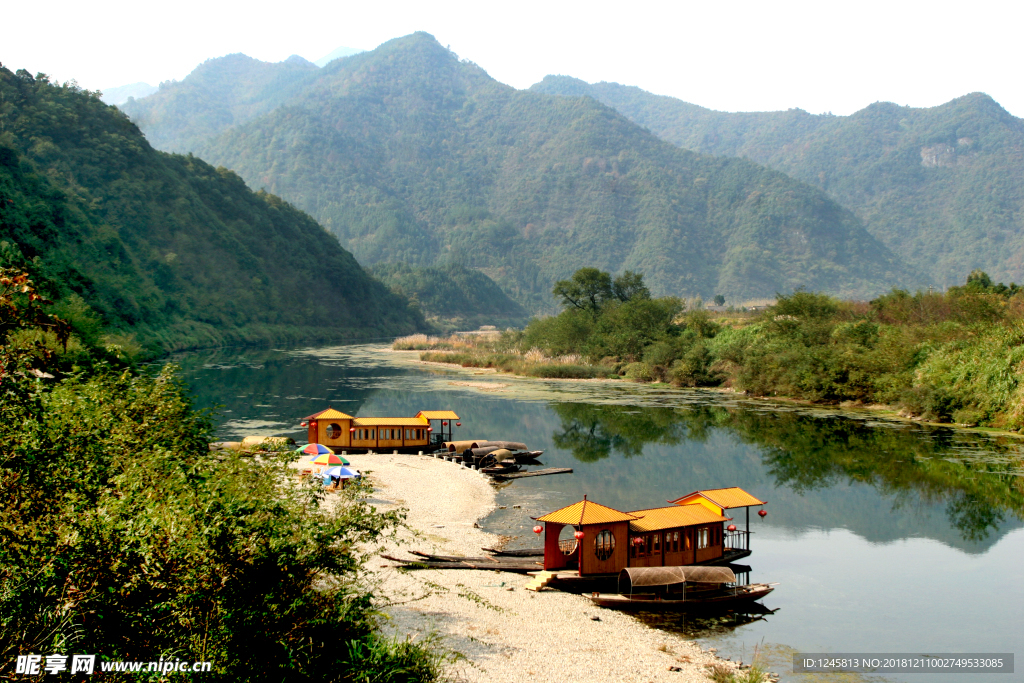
{"x": 734, "y": 56}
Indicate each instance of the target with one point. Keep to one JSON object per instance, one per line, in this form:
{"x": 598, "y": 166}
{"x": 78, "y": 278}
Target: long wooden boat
{"x": 523, "y": 566}
{"x": 650, "y": 602}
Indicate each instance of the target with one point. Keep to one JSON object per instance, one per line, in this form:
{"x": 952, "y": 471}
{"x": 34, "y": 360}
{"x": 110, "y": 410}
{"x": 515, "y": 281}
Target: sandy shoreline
{"x": 505, "y": 632}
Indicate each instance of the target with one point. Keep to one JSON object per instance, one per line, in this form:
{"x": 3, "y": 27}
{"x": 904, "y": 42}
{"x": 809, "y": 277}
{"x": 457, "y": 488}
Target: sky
{"x": 732, "y": 56}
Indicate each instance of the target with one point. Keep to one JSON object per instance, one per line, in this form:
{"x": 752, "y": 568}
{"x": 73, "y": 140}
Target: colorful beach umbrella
{"x": 329, "y": 459}
{"x": 342, "y": 473}
{"x": 314, "y": 449}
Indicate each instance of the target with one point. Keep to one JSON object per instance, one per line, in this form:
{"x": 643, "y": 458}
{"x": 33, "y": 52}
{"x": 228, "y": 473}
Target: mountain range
{"x": 408, "y": 154}
{"x": 943, "y": 187}
{"x": 165, "y": 246}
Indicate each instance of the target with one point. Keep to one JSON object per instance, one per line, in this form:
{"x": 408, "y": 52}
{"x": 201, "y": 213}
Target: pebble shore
{"x": 506, "y": 633}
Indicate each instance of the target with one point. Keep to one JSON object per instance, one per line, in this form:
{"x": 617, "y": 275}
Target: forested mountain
{"x": 218, "y": 94}
{"x": 943, "y": 187}
{"x": 162, "y": 245}
{"x": 408, "y": 154}
{"x": 452, "y": 295}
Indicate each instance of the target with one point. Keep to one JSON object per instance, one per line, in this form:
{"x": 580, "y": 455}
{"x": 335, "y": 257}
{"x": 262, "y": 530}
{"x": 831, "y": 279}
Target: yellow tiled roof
{"x": 733, "y": 497}
{"x": 438, "y": 414}
{"x": 586, "y": 512}
{"x": 389, "y": 422}
{"x": 672, "y": 517}
{"x": 329, "y": 414}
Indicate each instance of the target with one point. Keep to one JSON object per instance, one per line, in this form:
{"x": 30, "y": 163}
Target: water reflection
{"x": 976, "y": 479}
{"x": 708, "y": 623}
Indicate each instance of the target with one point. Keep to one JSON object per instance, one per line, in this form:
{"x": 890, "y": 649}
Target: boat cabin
{"x": 338, "y": 430}
{"x": 596, "y": 539}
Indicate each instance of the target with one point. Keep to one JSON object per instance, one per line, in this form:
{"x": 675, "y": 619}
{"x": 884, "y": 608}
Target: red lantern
{"x": 537, "y": 529}
{"x": 313, "y": 424}
{"x": 444, "y": 424}
{"x": 637, "y": 540}
{"x": 762, "y": 513}
{"x": 304, "y": 424}
{"x": 430, "y": 429}
{"x": 352, "y": 429}
{"x": 731, "y": 527}
{"x": 578, "y": 535}
{"x": 458, "y": 424}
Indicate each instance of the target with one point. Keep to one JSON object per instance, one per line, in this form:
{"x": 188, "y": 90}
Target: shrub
{"x": 557, "y": 371}
{"x": 694, "y": 368}
{"x": 639, "y": 372}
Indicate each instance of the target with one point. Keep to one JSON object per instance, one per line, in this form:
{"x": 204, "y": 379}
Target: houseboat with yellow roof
{"x": 342, "y": 432}
{"x": 693, "y": 530}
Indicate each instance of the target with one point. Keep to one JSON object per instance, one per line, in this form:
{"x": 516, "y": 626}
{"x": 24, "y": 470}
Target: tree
{"x": 629, "y": 286}
{"x": 586, "y": 290}
{"x": 719, "y": 300}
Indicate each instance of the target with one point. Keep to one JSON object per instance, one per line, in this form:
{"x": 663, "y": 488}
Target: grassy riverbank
{"x": 952, "y": 357}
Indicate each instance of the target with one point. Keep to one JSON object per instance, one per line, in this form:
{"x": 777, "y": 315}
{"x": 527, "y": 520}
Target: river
{"x": 884, "y": 536}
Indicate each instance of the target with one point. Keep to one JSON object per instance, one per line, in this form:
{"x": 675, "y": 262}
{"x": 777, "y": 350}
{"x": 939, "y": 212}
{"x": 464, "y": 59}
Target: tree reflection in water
{"x": 976, "y": 477}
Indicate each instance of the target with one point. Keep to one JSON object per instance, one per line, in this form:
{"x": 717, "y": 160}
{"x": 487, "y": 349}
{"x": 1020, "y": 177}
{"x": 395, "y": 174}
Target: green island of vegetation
{"x": 955, "y": 356}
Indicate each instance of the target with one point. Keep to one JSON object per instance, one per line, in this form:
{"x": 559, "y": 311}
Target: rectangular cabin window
{"x": 657, "y": 547}
{"x": 675, "y": 542}
{"x": 703, "y": 538}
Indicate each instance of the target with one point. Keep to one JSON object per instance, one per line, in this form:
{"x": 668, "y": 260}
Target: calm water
{"x": 883, "y": 536}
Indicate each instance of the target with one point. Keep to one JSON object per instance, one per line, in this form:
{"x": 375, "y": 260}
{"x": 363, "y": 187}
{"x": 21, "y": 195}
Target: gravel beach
{"x": 505, "y": 632}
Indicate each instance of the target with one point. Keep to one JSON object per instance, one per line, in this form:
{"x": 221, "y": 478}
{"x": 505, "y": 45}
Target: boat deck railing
{"x": 568, "y": 547}
{"x": 737, "y": 540}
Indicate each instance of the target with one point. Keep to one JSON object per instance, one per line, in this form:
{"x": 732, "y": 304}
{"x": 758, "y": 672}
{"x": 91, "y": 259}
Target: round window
{"x": 604, "y": 545}
{"x": 333, "y": 431}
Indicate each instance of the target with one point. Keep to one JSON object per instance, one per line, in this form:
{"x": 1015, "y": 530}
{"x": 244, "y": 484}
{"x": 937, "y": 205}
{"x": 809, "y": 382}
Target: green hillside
{"x": 408, "y": 154}
{"x": 452, "y": 296}
{"x": 943, "y": 187}
{"x": 167, "y": 246}
{"x": 218, "y": 94}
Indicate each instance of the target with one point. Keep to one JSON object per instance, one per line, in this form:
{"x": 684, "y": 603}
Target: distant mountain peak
{"x": 296, "y": 59}
{"x": 336, "y": 53}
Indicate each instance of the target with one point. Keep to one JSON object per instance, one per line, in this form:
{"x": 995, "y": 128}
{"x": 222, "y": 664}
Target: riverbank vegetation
{"x": 123, "y": 536}
{"x": 954, "y": 356}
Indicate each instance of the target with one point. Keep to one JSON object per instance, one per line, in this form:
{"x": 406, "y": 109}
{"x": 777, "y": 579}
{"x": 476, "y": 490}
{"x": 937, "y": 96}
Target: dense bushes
{"x": 121, "y": 535}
